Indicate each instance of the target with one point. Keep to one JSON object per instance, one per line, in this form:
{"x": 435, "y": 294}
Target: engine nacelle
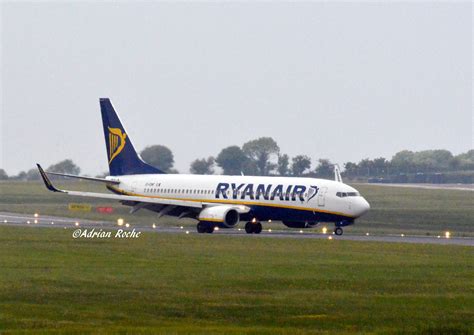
{"x": 299, "y": 224}
{"x": 223, "y": 216}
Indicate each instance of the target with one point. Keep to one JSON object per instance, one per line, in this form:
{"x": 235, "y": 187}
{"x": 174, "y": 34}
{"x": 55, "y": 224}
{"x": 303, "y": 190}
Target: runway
{"x": 25, "y": 220}
{"x": 454, "y": 187}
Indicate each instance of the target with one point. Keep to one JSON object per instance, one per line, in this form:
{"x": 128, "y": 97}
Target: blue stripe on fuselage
{"x": 264, "y": 213}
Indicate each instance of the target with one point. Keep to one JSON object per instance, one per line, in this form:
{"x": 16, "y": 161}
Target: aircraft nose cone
{"x": 363, "y": 207}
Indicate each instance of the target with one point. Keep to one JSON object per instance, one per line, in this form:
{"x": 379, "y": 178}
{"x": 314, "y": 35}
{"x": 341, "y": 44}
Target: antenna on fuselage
{"x": 337, "y": 173}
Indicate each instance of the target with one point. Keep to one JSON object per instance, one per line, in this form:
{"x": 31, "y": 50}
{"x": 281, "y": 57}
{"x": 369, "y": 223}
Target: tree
{"x": 380, "y": 165}
{"x": 232, "y": 160}
{"x": 300, "y": 164}
{"x": 325, "y": 169}
{"x": 20, "y": 176}
{"x": 466, "y": 160}
{"x": 66, "y": 166}
{"x": 283, "y": 165}
{"x": 158, "y": 156}
{"x": 403, "y": 161}
{"x": 366, "y": 167}
{"x": 350, "y": 169}
{"x": 3, "y": 175}
{"x": 32, "y": 174}
{"x": 261, "y": 151}
{"x": 432, "y": 160}
{"x": 202, "y": 166}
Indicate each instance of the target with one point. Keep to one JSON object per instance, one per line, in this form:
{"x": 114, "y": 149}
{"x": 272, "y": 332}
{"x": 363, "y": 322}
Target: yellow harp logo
{"x": 116, "y": 142}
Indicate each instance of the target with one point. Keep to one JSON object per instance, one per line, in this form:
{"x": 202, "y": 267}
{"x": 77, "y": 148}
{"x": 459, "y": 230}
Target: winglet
{"x": 337, "y": 174}
{"x": 46, "y": 180}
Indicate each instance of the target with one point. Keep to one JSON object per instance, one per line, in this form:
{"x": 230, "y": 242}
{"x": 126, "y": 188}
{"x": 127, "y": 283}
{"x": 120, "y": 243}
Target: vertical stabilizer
{"x": 121, "y": 155}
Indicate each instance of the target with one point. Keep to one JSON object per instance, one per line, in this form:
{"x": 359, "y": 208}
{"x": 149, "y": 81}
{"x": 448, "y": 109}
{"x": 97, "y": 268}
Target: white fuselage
{"x": 271, "y": 198}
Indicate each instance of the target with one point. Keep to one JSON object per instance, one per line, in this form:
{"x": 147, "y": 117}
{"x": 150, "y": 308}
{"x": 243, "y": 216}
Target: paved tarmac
{"x": 22, "y": 220}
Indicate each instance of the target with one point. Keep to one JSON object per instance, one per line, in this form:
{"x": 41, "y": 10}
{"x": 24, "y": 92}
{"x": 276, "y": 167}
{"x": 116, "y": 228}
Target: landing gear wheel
{"x": 338, "y": 231}
{"x": 249, "y": 227}
{"x": 253, "y": 227}
{"x": 201, "y": 228}
{"x": 210, "y": 229}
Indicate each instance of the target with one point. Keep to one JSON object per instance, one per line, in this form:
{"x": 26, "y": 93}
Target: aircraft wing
{"x": 157, "y": 201}
{"x": 129, "y": 198}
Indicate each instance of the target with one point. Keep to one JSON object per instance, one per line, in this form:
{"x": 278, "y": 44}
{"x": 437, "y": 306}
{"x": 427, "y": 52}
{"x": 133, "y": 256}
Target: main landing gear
{"x": 253, "y": 227}
{"x": 205, "y": 228}
{"x": 338, "y": 231}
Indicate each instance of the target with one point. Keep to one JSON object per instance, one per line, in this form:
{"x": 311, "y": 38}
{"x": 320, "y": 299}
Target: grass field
{"x": 166, "y": 283}
{"x": 393, "y": 210}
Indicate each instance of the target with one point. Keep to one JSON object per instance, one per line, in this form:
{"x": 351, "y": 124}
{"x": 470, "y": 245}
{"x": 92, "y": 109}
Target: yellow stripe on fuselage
{"x": 210, "y": 220}
{"x": 230, "y": 202}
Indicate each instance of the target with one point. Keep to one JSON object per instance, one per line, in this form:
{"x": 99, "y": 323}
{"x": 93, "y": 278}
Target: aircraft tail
{"x": 121, "y": 155}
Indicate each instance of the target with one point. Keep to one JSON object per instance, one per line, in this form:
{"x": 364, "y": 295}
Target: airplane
{"x": 217, "y": 200}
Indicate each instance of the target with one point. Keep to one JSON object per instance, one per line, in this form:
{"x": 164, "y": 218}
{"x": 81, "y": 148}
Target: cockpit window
{"x": 347, "y": 194}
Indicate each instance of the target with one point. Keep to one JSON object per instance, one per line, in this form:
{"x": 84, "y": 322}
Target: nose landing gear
{"x": 253, "y": 227}
{"x": 338, "y": 231}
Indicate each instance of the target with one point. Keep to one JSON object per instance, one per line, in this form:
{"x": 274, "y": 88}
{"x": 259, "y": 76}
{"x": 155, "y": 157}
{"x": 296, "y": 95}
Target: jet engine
{"x": 224, "y": 216}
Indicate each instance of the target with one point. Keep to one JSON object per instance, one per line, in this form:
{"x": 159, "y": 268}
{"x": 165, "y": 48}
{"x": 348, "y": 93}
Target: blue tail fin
{"x": 121, "y": 155}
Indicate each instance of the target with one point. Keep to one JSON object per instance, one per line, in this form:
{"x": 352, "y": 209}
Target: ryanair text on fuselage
{"x": 265, "y": 192}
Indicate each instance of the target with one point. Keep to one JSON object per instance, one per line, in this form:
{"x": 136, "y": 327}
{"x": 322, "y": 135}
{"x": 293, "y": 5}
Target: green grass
{"x": 166, "y": 283}
{"x": 393, "y": 210}
{"x": 418, "y": 211}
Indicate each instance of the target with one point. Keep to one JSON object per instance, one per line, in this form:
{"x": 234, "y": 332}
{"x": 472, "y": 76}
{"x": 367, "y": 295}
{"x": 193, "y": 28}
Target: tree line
{"x": 259, "y": 157}
{"x": 263, "y": 157}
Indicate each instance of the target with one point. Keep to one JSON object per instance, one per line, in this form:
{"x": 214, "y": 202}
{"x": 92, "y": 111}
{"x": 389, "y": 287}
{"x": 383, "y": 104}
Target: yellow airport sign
{"x": 80, "y": 207}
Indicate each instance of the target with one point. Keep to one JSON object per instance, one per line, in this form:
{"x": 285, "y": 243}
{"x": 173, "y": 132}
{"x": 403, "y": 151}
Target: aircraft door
{"x": 322, "y": 197}
{"x": 134, "y": 187}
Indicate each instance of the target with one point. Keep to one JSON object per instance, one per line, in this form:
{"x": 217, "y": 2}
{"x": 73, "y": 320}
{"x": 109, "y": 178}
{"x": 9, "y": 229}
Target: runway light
{"x": 187, "y": 231}
{"x": 154, "y": 226}
{"x": 301, "y": 231}
{"x": 330, "y": 237}
{"x": 36, "y": 215}
{"x": 439, "y": 236}
{"x": 52, "y": 222}
{"x": 254, "y": 220}
{"x": 402, "y": 235}
{"x": 36, "y": 221}
{"x": 28, "y": 222}
{"x": 269, "y": 230}
{"x": 216, "y": 228}
{"x": 239, "y": 229}
{"x": 181, "y": 227}
{"x": 127, "y": 225}
{"x": 120, "y": 221}
{"x": 269, "y": 221}
{"x": 366, "y": 234}
{"x": 5, "y": 221}
{"x": 325, "y": 230}
{"x": 447, "y": 234}
{"x": 77, "y": 224}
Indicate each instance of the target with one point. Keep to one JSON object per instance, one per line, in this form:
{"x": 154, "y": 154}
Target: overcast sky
{"x": 343, "y": 81}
